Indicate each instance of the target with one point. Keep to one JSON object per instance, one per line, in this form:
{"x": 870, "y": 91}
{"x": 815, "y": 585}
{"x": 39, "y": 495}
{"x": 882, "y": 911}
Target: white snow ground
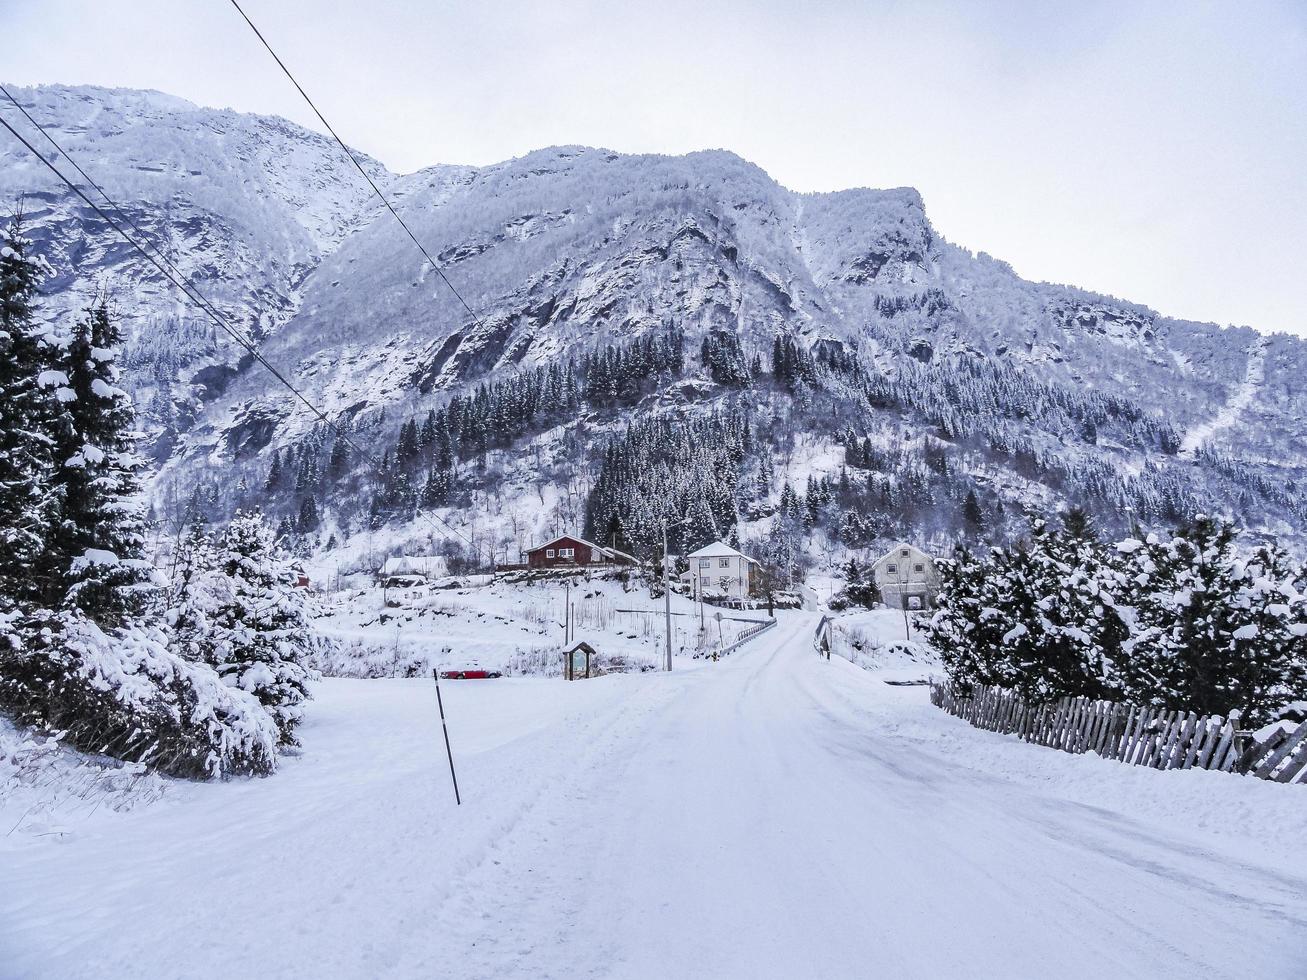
{"x": 772, "y": 815}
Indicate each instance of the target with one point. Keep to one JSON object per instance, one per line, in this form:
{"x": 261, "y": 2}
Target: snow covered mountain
{"x": 1033, "y": 393}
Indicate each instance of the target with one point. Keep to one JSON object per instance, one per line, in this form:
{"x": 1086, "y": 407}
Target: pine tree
{"x": 1210, "y": 632}
{"x": 406, "y": 449}
{"x": 262, "y": 632}
{"x": 971, "y": 513}
{"x": 338, "y": 465}
{"x": 274, "y": 473}
{"x": 308, "y": 517}
{"x": 191, "y": 599}
{"x": 28, "y": 504}
{"x": 100, "y": 535}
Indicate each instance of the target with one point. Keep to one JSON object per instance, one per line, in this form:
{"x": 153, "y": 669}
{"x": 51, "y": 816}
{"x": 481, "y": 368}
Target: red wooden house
{"x": 570, "y": 552}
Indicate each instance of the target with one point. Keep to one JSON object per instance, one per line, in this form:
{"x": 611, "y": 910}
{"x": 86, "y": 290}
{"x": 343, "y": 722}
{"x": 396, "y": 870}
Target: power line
{"x": 167, "y": 269}
{"x": 354, "y": 159}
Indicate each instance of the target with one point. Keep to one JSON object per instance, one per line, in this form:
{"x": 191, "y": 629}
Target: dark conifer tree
{"x": 273, "y": 481}
{"x": 28, "y": 504}
{"x": 971, "y": 513}
{"x": 100, "y": 534}
{"x": 308, "y": 517}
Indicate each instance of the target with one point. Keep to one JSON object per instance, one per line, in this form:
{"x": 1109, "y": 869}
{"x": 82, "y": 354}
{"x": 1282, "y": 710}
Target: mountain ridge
{"x": 567, "y": 249}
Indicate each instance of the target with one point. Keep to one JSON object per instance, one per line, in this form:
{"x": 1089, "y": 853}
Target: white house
{"x": 907, "y": 577}
{"x": 720, "y": 570}
{"x": 414, "y": 567}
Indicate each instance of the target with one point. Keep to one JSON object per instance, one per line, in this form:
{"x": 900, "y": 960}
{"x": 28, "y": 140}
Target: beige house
{"x": 720, "y": 570}
{"x": 907, "y": 578}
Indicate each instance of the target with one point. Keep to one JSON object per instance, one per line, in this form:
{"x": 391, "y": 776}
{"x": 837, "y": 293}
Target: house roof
{"x": 897, "y": 550}
{"x": 719, "y": 549}
{"x": 415, "y": 565}
{"x": 610, "y": 552}
{"x": 566, "y": 537}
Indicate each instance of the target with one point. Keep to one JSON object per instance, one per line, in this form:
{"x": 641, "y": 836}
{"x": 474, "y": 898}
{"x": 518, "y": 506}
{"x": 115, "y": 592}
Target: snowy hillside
{"x": 1026, "y": 393}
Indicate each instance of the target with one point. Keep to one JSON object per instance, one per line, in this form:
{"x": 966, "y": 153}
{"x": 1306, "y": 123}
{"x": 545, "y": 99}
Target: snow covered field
{"x": 515, "y": 626}
{"x": 771, "y": 815}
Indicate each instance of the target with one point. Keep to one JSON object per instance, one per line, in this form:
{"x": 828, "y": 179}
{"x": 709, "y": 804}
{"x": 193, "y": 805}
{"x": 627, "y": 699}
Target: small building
{"x": 400, "y": 570}
{"x": 907, "y": 577}
{"x": 572, "y": 552}
{"x": 719, "y": 570}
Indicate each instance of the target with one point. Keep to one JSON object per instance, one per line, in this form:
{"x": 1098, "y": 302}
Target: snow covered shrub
{"x": 364, "y": 657}
{"x": 245, "y": 617}
{"x": 127, "y": 697}
{"x": 47, "y": 780}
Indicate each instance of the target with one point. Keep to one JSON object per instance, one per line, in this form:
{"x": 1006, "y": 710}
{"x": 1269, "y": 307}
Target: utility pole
{"x": 567, "y": 612}
{"x": 903, "y": 581}
{"x": 702, "y": 625}
{"x": 667, "y": 599}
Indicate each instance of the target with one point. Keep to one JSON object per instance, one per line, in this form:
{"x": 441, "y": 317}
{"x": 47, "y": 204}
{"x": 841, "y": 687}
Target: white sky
{"x": 1154, "y": 150}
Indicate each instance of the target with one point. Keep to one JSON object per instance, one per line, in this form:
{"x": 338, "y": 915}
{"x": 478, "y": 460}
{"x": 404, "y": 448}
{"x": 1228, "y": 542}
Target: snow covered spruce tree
{"x": 1037, "y": 618}
{"x": 28, "y": 504}
{"x": 195, "y": 593}
{"x": 1210, "y": 631}
{"x": 968, "y": 626}
{"x": 1080, "y": 632}
{"x": 100, "y": 535}
{"x": 260, "y": 634}
{"x": 79, "y": 654}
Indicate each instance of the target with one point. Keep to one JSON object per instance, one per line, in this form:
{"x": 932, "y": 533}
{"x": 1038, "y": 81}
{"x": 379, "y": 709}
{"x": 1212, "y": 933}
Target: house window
{"x": 892, "y": 568}
{"x": 904, "y": 552}
{"x": 918, "y": 567}
{"x": 724, "y": 563}
{"x": 705, "y": 580}
{"x": 705, "y": 563}
{"x": 566, "y": 552}
{"x": 549, "y": 552}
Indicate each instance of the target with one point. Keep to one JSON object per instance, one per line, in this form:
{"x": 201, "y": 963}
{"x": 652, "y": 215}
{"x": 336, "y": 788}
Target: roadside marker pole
{"x": 435, "y": 675}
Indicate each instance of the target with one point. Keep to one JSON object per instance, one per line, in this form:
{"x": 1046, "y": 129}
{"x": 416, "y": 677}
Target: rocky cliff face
{"x": 570, "y": 248}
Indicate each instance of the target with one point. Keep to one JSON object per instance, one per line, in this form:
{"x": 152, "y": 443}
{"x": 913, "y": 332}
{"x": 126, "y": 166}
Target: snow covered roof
{"x": 719, "y": 549}
{"x": 569, "y": 537}
{"x": 426, "y": 565}
{"x": 898, "y": 553}
{"x": 610, "y": 552}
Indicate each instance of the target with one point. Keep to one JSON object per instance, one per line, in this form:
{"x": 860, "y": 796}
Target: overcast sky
{"x": 1151, "y": 150}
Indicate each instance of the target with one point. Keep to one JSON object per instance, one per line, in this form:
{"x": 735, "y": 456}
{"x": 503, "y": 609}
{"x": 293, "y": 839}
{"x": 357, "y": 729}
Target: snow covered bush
{"x": 128, "y": 697}
{"x": 1184, "y": 623}
{"x": 366, "y": 657}
{"x": 1210, "y": 630}
{"x": 237, "y": 609}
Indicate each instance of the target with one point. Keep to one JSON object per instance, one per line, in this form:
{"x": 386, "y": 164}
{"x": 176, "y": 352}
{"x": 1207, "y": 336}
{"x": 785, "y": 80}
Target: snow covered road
{"x": 774, "y": 815}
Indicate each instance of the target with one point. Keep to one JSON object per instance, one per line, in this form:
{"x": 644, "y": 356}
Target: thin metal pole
{"x": 667, "y": 599}
{"x": 435, "y": 675}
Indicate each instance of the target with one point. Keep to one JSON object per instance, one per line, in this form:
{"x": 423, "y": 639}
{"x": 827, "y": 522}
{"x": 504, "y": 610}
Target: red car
{"x": 469, "y": 674}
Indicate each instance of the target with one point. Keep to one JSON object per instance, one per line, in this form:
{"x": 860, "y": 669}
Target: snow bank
{"x": 45, "y": 787}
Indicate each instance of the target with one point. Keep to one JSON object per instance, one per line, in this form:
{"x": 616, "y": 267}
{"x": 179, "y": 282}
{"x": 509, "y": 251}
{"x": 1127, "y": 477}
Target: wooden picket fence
{"x": 1152, "y": 737}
